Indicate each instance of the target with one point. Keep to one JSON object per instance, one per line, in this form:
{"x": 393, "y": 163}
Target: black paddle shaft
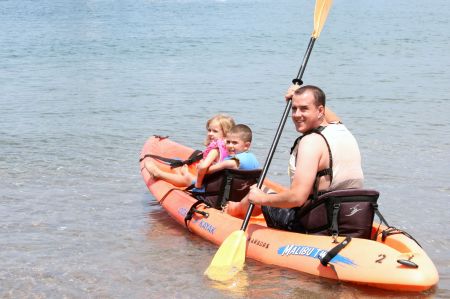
{"x": 297, "y": 80}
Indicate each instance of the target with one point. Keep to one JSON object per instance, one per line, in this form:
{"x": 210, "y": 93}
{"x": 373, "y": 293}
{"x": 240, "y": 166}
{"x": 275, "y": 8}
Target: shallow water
{"x": 83, "y": 85}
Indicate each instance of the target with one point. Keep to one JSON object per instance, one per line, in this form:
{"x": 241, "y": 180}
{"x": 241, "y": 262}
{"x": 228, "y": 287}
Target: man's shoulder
{"x": 311, "y": 138}
{"x": 312, "y": 144}
{"x": 335, "y": 127}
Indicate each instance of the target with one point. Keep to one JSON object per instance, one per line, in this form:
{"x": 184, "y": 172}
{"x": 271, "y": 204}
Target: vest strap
{"x": 323, "y": 172}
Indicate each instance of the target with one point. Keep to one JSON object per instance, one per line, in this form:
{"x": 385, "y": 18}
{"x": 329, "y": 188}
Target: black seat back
{"x": 343, "y": 212}
{"x": 228, "y": 185}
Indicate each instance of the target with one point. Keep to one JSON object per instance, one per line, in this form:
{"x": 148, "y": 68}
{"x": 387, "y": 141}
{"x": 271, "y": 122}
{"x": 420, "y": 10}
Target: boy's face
{"x": 235, "y": 144}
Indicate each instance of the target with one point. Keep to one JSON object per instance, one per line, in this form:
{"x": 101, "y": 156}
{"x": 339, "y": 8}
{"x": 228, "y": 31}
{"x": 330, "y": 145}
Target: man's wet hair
{"x": 318, "y": 93}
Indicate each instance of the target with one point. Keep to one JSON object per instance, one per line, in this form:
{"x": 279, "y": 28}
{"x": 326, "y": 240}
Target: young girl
{"x": 217, "y": 128}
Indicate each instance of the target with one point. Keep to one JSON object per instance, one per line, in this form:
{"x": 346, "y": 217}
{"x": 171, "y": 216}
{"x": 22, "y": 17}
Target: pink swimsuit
{"x": 217, "y": 144}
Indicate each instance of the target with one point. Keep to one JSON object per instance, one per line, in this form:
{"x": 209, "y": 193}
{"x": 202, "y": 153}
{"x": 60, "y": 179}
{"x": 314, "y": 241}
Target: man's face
{"x": 305, "y": 115}
{"x": 235, "y": 144}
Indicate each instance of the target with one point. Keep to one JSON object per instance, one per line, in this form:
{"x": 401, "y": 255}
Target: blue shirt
{"x": 247, "y": 160}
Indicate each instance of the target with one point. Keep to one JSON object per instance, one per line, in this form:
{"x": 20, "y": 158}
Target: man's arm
{"x": 302, "y": 184}
{"x": 330, "y": 116}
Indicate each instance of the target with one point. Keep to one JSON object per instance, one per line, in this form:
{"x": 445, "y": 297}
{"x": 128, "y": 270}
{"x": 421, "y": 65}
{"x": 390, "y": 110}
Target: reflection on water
{"x": 237, "y": 287}
{"x": 160, "y": 225}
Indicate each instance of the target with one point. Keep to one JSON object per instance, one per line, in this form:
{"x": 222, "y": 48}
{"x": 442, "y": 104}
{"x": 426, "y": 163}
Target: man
{"x": 325, "y": 158}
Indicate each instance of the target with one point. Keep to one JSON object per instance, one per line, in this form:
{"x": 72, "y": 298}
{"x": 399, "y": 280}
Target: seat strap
{"x": 226, "y": 191}
{"x": 380, "y": 216}
{"x": 192, "y": 210}
{"x": 334, "y": 251}
{"x": 197, "y": 155}
{"x": 393, "y": 231}
{"x": 334, "y": 220}
{"x": 382, "y": 220}
{"x": 390, "y": 230}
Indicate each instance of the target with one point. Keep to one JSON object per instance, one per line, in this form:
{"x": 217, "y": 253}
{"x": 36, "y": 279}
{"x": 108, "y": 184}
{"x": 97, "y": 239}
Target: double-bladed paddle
{"x": 230, "y": 257}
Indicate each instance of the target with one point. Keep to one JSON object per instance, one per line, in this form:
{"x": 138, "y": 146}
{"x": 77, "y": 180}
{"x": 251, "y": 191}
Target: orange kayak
{"x": 375, "y": 263}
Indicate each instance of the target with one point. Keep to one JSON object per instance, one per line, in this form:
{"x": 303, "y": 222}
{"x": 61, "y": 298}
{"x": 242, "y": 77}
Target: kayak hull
{"x": 367, "y": 262}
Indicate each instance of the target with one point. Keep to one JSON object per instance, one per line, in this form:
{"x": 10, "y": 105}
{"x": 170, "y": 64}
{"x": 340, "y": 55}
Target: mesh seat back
{"x": 229, "y": 185}
{"x": 351, "y": 210}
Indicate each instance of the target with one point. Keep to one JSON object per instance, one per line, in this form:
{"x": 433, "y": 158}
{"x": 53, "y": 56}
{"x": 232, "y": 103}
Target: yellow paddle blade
{"x": 229, "y": 259}
{"x": 320, "y": 15}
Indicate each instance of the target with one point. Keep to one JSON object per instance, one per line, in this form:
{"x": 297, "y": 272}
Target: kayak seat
{"x": 228, "y": 185}
{"x": 342, "y": 212}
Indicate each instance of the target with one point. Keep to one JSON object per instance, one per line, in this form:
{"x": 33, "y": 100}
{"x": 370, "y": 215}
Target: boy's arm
{"x": 227, "y": 164}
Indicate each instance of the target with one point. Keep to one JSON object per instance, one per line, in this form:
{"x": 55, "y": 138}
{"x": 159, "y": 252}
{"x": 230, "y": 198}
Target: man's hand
{"x": 255, "y": 196}
{"x": 290, "y": 92}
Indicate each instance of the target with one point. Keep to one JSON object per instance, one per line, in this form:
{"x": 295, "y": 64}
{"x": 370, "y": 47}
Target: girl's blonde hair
{"x": 225, "y": 122}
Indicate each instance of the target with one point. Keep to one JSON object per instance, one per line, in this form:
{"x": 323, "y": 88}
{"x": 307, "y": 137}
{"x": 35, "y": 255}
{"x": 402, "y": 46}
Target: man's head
{"x": 239, "y": 139}
{"x": 308, "y": 108}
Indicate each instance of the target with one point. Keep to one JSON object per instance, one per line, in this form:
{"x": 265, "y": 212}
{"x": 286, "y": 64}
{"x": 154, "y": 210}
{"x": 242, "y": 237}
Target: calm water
{"x": 84, "y": 83}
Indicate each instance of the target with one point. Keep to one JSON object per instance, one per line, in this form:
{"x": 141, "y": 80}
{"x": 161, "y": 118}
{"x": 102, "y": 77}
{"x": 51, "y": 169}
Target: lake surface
{"x": 83, "y": 84}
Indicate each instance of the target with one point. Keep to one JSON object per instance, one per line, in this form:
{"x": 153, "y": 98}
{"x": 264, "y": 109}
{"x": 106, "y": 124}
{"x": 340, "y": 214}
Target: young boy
{"x": 238, "y": 141}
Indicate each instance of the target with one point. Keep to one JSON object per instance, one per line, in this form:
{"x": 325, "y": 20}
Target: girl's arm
{"x": 202, "y": 167}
